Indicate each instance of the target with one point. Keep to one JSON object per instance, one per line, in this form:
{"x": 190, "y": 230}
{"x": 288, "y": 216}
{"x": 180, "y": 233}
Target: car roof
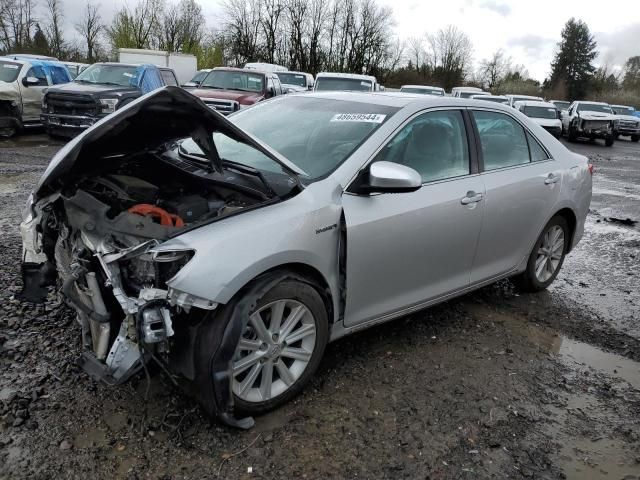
{"x": 246, "y": 70}
{"x": 467, "y": 89}
{"x": 484, "y": 95}
{"x": 401, "y": 100}
{"x": 584, "y": 102}
{"x": 535, "y": 103}
{"x": 563, "y": 101}
{"x": 622, "y": 106}
{"x": 422, "y": 86}
{"x": 355, "y": 76}
{"x": 511, "y": 95}
{"x": 34, "y": 62}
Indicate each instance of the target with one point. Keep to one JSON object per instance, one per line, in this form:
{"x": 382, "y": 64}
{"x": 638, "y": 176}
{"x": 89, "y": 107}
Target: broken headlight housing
{"x": 108, "y": 104}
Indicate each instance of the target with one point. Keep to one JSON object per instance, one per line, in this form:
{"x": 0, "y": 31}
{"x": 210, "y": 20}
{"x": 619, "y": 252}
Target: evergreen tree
{"x": 632, "y": 74}
{"x": 573, "y": 63}
{"x": 40, "y": 43}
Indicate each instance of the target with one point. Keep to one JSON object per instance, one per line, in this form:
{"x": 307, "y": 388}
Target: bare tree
{"x": 53, "y": 28}
{"x": 89, "y": 29}
{"x": 450, "y": 55}
{"x": 415, "y": 51}
{"x": 493, "y": 70}
{"x": 192, "y": 24}
{"x": 270, "y": 23}
{"x": 16, "y": 22}
{"x": 243, "y": 20}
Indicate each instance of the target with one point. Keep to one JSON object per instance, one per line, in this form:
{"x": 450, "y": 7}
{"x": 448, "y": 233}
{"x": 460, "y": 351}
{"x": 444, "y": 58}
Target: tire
{"x": 608, "y": 141}
{"x": 572, "y": 135}
{"x": 617, "y": 135}
{"x": 635, "y": 138}
{"x": 268, "y": 353}
{"x": 530, "y": 280}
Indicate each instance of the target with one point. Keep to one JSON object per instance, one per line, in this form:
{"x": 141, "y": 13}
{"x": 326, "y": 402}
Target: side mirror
{"x": 271, "y": 92}
{"x": 559, "y": 114}
{"x": 191, "y": 84}
{"x": 30, "y": 81}
{"x": 310, "y": 86}
{"x": 388, "y": 177}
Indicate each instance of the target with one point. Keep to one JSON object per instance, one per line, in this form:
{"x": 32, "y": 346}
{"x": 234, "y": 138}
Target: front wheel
{"x": 608, "y": 141}
{"x": 280, "y": 348}
{"x": 546, "y": 258}
{"x": 635, "y": 138}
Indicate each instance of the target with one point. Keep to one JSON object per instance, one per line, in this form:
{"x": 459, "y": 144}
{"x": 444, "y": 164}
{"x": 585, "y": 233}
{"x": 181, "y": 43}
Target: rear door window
{"x": 503, "y": 140}
{"x": 59, "y": 75}
{"x": 169, "y": 78}
{"x": 538, "y": 154}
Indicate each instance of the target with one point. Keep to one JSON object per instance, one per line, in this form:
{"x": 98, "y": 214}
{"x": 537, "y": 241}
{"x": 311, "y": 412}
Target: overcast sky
{"x": 527, "y": 30}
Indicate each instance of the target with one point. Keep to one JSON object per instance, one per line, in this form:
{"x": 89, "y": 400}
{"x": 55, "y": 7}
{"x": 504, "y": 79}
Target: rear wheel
{"x": 635, "y": 138}
{"x": 546, "y": 258}
{"x": 572, "y": 135}
{"x": 608, "y": 141}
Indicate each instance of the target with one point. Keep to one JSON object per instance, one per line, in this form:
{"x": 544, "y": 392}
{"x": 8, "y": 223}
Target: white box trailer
{"x": 185, "y": 65}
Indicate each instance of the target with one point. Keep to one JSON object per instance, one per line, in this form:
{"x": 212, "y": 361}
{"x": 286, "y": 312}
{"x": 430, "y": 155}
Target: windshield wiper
{"x": 110, "y": 83}
{"x": 211, "y": 86}
{"x": 242, "y": 168}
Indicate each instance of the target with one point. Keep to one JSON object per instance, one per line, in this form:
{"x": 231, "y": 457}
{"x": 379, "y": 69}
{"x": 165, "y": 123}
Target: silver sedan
{"x": 232, "y": 250}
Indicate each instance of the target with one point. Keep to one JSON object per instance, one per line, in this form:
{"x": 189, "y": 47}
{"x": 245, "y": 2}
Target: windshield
{"x": 562, "y": 105}
{"x": 234, "y": 80}
{"x": 320, "y": 133}
{"x": 343, "y": 84}
{"x": 620, "y": 110}
{"x": 73, "y": 70}
{"x": 9, "y": 71}
{"x": 296, "y": 79}
{"x": 123, "y": 75}
{"x": 541, "y": 112}
{"x": 198, "y": 77}
{"x": 594, "y": 107}
{"x": 423, "y": 91}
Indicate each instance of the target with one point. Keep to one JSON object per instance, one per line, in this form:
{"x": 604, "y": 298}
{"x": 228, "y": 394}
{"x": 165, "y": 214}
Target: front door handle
{"x": 551, "y": 178}
{"x": 472, "y": 197}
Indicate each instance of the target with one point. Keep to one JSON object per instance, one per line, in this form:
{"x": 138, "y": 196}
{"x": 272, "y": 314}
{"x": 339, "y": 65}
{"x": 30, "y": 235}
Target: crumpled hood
{"x": 164, "y": 115}
{"x": 244, "y": 98}
{"x": 586, "y": 115}
{"x": 9, "y": 91}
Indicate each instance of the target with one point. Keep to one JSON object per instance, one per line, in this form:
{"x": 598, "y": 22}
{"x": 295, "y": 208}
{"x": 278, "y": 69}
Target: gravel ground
{"x": 491, "y": 385}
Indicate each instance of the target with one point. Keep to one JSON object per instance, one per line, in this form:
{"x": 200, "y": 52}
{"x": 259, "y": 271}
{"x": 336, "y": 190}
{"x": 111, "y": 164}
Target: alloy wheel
{"x": 274, "y": 350}
{"x": 549, "y": 253}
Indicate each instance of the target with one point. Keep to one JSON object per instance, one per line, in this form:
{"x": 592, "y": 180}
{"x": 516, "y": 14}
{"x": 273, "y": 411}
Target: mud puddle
{"x": 12, "y": 183}
{"x": 583, "y": 424}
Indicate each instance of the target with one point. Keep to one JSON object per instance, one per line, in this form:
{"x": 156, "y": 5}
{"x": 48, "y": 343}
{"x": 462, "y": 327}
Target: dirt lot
{"x": 491, "y": 385}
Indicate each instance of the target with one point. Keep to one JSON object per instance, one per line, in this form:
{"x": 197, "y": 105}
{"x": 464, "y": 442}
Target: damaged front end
{"x": 96, "y": 224}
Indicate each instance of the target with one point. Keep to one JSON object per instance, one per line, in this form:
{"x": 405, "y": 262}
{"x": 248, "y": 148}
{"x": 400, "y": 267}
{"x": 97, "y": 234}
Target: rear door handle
{"x": 551, "y": 178}
{"x": 472, "y": 197}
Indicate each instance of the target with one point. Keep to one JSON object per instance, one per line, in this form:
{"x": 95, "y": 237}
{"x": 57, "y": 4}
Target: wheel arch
{"x": 569, "y": 215}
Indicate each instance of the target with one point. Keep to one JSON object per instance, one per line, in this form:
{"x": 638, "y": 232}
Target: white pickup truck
{"x": 628, "y": 123}
{"x": 590, "y": 120}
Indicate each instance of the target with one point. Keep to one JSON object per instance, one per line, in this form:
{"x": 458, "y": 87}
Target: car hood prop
{"x": 165, "y": 115}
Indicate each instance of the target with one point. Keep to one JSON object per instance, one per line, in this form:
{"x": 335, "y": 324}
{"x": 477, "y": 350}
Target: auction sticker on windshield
{"x": 359, "y": 117}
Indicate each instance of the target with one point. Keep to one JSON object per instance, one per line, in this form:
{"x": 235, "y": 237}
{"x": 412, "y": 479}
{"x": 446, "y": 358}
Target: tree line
{"x": 312, "y": 35}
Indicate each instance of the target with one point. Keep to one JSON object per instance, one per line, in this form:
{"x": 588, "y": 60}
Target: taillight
{"x": 590, "y": 167}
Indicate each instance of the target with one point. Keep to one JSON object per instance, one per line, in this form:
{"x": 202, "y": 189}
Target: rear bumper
{"x": 555, "y": 131}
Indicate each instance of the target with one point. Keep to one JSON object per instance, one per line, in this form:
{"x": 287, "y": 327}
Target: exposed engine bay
{"x": 105, "y": 231}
